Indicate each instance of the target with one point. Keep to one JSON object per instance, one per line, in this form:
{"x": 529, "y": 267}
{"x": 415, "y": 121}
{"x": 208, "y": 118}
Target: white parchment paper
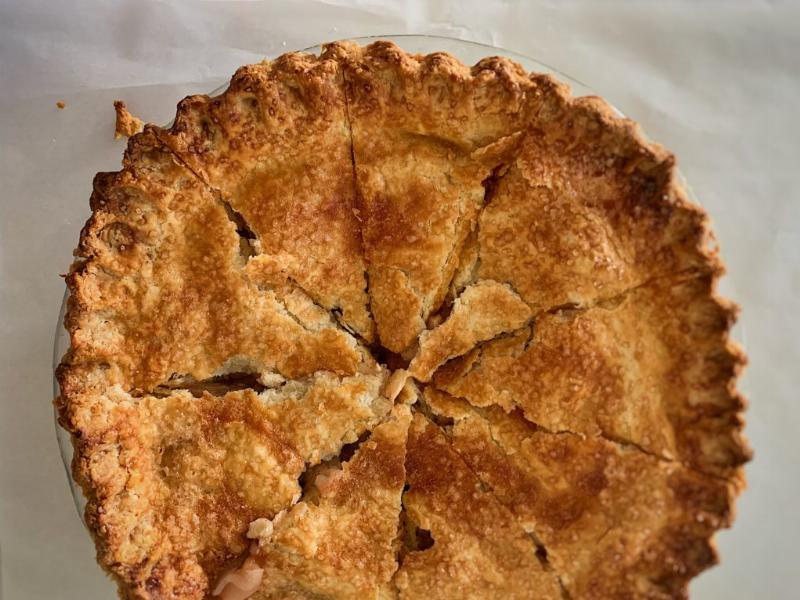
{"x": 716, "y": 82}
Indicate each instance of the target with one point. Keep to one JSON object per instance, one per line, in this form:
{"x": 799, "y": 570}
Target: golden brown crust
{"x": 420, "y": 127}
{"x": 276, "y": 145}
{"x": 530, "y": 250}
{"x": 616, "y": 523}
{"x": 160, "y": 289}
{"x": 172, "y": 482}
{"x": 341, "y": 544}
{"x": 654, "y": 368}
{"x": 478, "y": 551}
{"x": 603, "y": 211}
{"x": 482, "y": 312}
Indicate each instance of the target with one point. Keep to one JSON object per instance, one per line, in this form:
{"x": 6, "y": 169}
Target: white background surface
{"x": 716, "y": 82}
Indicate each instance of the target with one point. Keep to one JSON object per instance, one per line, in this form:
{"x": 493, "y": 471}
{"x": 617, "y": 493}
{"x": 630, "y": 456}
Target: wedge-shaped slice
{"x": 482, "y": 312}
{"x": 616, "y": 523}
{"x": 478, "y": 549}
{"x": 655, "y": 368}
{"x": 158, "y": 289}
{"x": 427, "y": 131}
{"x": 321, "y": 412}
{"x": 172, "y": 482}
{"x": 587, "y": 210}
{"x": 339, "y": 541}
{"x": 276, "y": 145}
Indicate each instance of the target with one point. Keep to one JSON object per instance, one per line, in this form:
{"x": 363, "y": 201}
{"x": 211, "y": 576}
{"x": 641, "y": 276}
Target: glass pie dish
{"x": 468, "y": 52}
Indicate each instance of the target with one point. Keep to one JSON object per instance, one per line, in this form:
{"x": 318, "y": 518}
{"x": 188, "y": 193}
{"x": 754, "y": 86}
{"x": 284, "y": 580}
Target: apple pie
{"x": 378, "y": 325}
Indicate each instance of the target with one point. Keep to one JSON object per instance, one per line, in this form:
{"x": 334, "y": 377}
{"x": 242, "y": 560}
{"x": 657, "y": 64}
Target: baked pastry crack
{"x": 577, "y": 496}
{"x": 216, "y": 386}
{"x": 338, "y": 540}
{"x": 655, "y": 370}
{"x": 276, "y": 145}
{"x": 482, "y": 312}
{"x": 248, "y": 244}
{"x": 419, "y": 174}
{"x": 378, "y": 325}
{"x": 475, "y": 546}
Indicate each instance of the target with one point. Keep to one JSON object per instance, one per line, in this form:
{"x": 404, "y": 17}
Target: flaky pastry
{"x": 379, "y": 325}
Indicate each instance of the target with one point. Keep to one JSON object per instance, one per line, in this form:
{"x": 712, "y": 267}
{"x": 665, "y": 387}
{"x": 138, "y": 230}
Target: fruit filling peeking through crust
{"x": 377, "y": 325}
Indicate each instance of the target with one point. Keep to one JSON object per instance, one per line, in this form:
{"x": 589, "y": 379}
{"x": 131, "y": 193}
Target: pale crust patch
{"x": 482, "y": 312}
{"x": 342, "y": 544}
{"x": 530, "y": 250}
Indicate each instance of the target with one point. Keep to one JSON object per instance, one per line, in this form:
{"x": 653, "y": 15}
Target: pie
{"x": 378, "y": 325}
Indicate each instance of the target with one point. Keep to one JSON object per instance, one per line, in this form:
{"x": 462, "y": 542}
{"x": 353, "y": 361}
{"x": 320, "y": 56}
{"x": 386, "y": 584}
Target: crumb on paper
{"x": 126, "y": 125}
{"x": 61, "y": 104}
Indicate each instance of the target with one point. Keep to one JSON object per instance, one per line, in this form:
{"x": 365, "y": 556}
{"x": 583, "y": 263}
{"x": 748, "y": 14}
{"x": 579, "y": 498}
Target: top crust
{"x": 530, "y": 257}
{"x": 276, "y": 146}
{"x": 616, "y": 522}
{"x": 478, "y": 550}
{"x": 159, "y": 289}
{"x": 653, "y": 368}
{"x": 615, "y": 215}
{"x": 482, "y": 312}
{"x": 427, "y": 131}
{"x": 172, "y": 482}
{"x": 341, "y": 543}
{"x": 433, "y": 95}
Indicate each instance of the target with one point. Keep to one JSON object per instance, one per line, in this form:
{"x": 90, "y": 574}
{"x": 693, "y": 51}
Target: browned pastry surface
{"x": 602, "y": 211}
{"x": 617, "y": 523}
{"x": 176, "y": 480}
{"x": 654, "y": 368}
{"x": 276, "y": 146}
{"x": 427, "y": 131}
{"x": 478, "y": 550}
{"x": 264, "y": 289}
{"x": 339, "y": 541}
{"x": 160, "y": 288}
{"x": 481, "y": 312}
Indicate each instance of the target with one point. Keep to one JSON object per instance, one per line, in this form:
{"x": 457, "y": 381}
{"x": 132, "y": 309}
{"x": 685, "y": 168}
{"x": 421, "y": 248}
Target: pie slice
{"x": 339, "y": 541}
{"x": 276, "y": 147}
{"x": 482, "y": 312}
{"x": 654, "y": 368}
{"x": 427, "y": 131}
{"x": 159, "y": 290}
{"x": 478, "y": 550}
{"x": 173, "y": 482}
{"x": 615, "y": 522}
{"x": 587, "y": 209}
